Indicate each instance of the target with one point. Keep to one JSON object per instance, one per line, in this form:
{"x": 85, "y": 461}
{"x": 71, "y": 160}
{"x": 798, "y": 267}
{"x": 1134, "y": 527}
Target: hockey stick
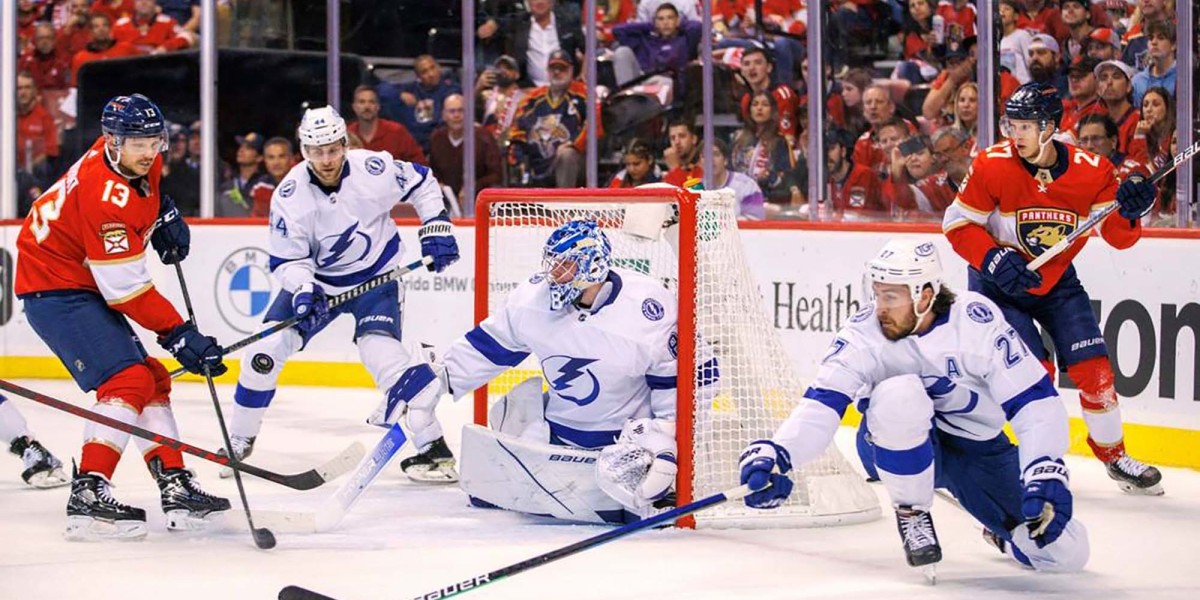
{"x": 335, "y": 508}
{"x": 293, "y": 592}
{"x": 1087, "y": 226}
{"x": 307, "y": 480}
{"x": 339, "y": 299}
{"x": 263, "y": 538}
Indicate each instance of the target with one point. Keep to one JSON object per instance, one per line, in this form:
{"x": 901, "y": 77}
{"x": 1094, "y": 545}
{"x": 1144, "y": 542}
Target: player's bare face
{"x": 894, "y": 309}
{"x": 138, "y": 154}
{"x": 1025, "y": 135}
{"x": 327, "y": 161}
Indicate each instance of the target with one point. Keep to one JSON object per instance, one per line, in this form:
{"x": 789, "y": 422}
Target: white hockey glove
{"x": 416, "y": 394}
{"x": 640, "y": 468}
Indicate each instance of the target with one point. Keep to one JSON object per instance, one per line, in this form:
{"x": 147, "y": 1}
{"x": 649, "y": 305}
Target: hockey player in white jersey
{"x": 599, "y": 444}
{"x": 331, "y": 230}
{"x": 39, "y": 468}
{"x": 920, "y": 355}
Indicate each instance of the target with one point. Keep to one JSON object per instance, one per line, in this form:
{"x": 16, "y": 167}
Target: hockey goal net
{"x": 690, "y": 242}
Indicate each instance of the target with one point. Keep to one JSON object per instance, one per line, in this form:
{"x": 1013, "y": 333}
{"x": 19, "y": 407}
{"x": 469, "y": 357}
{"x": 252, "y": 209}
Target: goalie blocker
{"x": 514, "y": 467}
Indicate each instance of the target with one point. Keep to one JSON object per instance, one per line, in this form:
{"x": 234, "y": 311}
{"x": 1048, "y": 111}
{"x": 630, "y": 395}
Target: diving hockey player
{"x": 1019, "y": 198}
{"x": 921, "y": 354}
{"x": 39, "y": 469}
{"x": 81, "y": 274}
{"x": 600, "y": 443}
{"x": 331, "y": 230}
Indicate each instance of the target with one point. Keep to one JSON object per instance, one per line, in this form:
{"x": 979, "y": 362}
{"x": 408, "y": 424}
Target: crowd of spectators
{"x": 902, "y": 103}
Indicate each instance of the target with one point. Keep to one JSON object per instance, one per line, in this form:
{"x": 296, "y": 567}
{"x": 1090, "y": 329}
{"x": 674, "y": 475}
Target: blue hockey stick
{"x": 293, "y": 592}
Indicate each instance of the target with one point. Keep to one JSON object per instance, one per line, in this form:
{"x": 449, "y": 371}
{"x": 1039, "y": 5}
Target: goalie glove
{"x": 640, "y": 468}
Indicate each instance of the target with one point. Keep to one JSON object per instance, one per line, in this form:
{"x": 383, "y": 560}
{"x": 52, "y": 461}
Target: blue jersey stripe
{"x": 831, "y": 398}
{"x": 487, "y": 345}
{"x": 1038, "y": 391}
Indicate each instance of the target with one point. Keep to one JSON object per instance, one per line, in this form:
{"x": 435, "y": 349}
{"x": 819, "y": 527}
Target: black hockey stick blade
{"x": 295, "y": 592}
{"x": 312, "y": 478}
{"x": 341, "y": 298}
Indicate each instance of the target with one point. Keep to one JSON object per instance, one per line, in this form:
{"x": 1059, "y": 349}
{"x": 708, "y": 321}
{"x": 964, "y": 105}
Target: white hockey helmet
{"x": 909, "y": 262}
{"x": 321, "y": 126}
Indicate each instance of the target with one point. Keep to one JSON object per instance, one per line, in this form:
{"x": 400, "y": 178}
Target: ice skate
{"x": 242, "y": 448}
{"x": 41, "y": 469}
{"x": 434, "y": 465}
{"x": 186, "y": 506}
{"x": 921, "y": 547}
{"x": 93, "y": 513}
{"x": 1135, "y": 477}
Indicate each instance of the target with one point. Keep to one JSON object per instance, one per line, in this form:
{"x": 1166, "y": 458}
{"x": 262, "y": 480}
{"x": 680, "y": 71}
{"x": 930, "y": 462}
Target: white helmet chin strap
{"x": 1043, "y": 143}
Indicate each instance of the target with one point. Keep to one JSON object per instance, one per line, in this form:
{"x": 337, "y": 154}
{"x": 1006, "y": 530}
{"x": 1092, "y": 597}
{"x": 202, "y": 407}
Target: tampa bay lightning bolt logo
{"x": 944, "y": 392}
{"x": 287, "y": 189}
{"x": 351, "y": 245}
{"x": 571, "y": 380}
{"x": 979, "y": 312}
{"x": 375, "y": 165}
{"x": 652, "y": 309}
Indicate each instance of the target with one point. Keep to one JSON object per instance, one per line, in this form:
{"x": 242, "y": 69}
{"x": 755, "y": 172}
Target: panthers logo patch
{"x": 1040, "y": 228}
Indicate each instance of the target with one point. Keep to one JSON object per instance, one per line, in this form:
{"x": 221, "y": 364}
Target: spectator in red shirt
{"x": 378, "y": 133}
{"x": 856, "y": 193}
{"x": 150, "y": 31}
{"x": 102, "y": 46}
{"x": 684, "y": 157}
{"x": 27, "y": 17}
{"x": 49, "y": 64}
{"x": 115, "y": 9}
{"x": 757, "y": 68}
{"x": 1081, "y": 81}
{"x": 446, "y": 153}
{"x": 1116, "y": 93}
{"x": 37, "y": 137}
{"x": 1043, "y": 19}
{"x": 76, "y": 32}
{"x": 960, "y": 18}
{"x": 1152, "y": 137}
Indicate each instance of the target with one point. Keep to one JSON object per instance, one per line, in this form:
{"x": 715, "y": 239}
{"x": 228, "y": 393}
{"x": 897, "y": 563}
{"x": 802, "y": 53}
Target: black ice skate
{"x": 1135, "y": 477}
{"x": 921, "y": 547}
{"x": 994, "y": 540}
{"x": 93, "y": 514}
{"x": 186, "y": 506}
{"x": 433, "y": 465}
{"x": 41, "y": 469}
{"x": 242, "y": 448}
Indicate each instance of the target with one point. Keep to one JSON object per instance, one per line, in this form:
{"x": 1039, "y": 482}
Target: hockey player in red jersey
{"x": 81, "y": 275}
{"x": 1019, "y": 198}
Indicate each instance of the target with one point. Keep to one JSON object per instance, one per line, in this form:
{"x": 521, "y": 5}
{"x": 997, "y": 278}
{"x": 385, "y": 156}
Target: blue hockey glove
{"x": 437, "y": 240}
{"x": 1006, "y": 268}
{"x": 311, "y": 305}
{"x": 194, "y": 350}
{"x": 1046, "y": 504}
{"x": 758, "y": 463}
{"x": 1135, "y": 197}
{"x": 171, "y": 238}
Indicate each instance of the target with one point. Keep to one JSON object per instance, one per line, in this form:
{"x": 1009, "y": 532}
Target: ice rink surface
{"x": 404, "y": 539}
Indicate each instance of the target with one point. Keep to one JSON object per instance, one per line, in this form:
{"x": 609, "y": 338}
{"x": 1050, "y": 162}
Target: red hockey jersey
{"x": 1003, "y": 201}
{"x": 89, "y": 231}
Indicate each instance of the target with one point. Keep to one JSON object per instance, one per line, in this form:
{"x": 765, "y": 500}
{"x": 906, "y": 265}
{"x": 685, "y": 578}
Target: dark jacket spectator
{"x": 658, "y": 46}
{"x": 567, "y": 30}
{"x": 418, "y": 104}
{"x": 446, "y": 151}
{"x": 547, "y": 139}
{"x": 760, "y": 152}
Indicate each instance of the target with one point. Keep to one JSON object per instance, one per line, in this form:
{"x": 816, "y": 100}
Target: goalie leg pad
{"x": 534, "y": 478}
{"x": 898, "y": 418}
{"x": 522, "y": 412}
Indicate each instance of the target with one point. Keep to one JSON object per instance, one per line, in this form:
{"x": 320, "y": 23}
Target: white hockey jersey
{"x": 975, "y": 368}
{"x": 342, "y": 236}
{"x": 603, "y": 365}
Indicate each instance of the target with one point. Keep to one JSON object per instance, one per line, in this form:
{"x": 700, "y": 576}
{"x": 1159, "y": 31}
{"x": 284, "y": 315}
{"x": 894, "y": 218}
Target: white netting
{"x": 757, "y": 386}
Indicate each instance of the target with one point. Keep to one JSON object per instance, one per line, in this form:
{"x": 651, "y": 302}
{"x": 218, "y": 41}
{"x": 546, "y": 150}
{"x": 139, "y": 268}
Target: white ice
{"x": 403, "y": 539}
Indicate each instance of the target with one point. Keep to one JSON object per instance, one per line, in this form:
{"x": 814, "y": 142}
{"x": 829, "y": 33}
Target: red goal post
{"x": 688, "y": 240}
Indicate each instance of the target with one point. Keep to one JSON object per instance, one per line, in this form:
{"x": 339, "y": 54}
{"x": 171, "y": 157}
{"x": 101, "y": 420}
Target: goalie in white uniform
{"x": 331, "y": 230}
{"x": 599, "y": 445}
{"x": 937, "y": 376}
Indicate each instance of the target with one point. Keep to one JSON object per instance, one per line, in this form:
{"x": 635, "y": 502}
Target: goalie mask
{"x": 911, "y": 263}
{"x": 576, "y": 256}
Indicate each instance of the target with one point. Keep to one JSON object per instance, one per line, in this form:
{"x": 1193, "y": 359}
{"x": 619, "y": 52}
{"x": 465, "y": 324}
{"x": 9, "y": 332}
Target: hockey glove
{"x": 194, "y": 350}
{"x": 437, "y": 241}
{"x": 311, "y": 305}
{"x": 171, "y": 238}
{"x": 1046, "y": 504}
{"x": 758, "y": 463}
{"x": 1135, "y": 197}
{"x": 640, "y": 468}
{"x": 1006, "y": 268}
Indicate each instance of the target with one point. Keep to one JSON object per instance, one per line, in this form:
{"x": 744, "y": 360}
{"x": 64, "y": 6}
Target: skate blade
{"x": 90, "y": 529}
{"x": 1129, "y": 488}
{"x": 182, "y": 520}
{"x": 48, "y": 479}
{"x": 432, "y": 473}
{"x": 930, "y": 573}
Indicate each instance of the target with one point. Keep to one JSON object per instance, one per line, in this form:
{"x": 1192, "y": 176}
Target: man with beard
{"x": 855, "y": 188}
{"x": 1104, "y": 44}
{"x": 937, "y": 375}
{"x": 1083, "y": 101}
{"x": 101, "y": 47}
{"x": 1113, "y": 78}
{"x": 380, "y": 134}
{"x": 684, "y": 151}
{"x": 1044, "y": 63}
{"x": 1020, "y": 198}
